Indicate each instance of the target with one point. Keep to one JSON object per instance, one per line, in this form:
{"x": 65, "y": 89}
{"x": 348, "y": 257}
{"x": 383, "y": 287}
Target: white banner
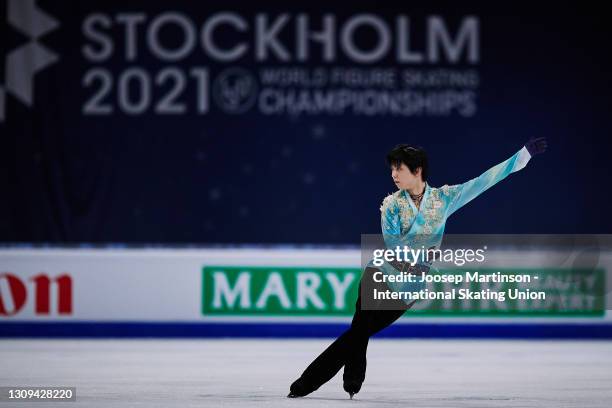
{"x": 166, "y": 285}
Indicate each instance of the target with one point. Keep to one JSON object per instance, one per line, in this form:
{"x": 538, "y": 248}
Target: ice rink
{"x": 257, "y": 373}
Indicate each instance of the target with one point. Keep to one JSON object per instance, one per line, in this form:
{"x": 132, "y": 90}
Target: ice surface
{"x": 257, "y": 373}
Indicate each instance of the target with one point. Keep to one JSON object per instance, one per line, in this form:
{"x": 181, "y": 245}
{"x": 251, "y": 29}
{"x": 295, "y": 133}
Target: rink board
{"x": 252, "y": 292}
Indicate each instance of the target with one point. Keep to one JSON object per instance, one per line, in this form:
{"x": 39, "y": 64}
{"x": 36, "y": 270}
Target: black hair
{"x": 412, "y": 157}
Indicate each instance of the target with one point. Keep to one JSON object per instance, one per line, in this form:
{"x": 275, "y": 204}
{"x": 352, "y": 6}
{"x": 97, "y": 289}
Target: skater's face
{"x": 403, "y": 178}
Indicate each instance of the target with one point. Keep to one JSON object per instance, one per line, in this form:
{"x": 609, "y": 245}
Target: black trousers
{"x": 349, "y": 350}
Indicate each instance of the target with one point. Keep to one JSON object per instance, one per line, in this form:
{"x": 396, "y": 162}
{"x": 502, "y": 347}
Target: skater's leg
{"x": 351, "y": 345}
{"x": 330, "y": 361}
{"x": 356, "y": 361}
{"x": 324, "y": 367}
{"x": 369, "y": 323}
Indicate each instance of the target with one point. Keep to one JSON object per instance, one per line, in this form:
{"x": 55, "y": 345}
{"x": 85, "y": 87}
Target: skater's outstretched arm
{"x": 461, "y": 194}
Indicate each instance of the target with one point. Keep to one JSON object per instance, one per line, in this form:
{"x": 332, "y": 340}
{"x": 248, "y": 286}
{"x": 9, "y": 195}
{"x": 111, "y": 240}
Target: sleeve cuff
{"x": 522, "y": 159}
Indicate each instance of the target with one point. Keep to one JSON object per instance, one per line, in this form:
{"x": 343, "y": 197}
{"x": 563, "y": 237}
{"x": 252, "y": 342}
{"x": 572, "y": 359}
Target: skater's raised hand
{"x": 536, "y": 145}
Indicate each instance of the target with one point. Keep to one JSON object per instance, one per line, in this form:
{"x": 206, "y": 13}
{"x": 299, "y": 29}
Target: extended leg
{"x": 330, "y": 361}
{"x": 324, "y": 367}
{"x": 348, "y": 349}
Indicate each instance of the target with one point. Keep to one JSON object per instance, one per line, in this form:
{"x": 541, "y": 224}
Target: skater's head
{"x": 408, "y": 166}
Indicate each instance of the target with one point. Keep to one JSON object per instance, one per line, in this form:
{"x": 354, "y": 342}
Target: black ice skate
{"x": 298, "y": 389}
{"x": 352, "y": 387}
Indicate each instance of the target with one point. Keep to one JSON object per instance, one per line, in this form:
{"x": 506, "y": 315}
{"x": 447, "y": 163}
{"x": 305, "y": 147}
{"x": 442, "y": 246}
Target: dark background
{"x": 246, "y": 179}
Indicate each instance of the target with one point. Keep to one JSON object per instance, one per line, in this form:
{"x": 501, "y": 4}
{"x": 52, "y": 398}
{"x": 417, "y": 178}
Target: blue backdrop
{"x": 87, "y": 158}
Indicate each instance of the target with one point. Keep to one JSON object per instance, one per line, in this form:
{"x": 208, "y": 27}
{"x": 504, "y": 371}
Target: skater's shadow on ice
{"x": 415, "y": 402}
{"x": 357, "y": 400}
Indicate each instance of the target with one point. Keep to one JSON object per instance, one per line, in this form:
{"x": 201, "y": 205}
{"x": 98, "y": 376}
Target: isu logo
{"x": 14, "y": 294}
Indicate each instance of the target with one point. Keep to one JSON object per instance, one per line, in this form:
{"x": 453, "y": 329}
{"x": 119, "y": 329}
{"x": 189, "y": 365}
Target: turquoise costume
{"x": 404, "y": 225}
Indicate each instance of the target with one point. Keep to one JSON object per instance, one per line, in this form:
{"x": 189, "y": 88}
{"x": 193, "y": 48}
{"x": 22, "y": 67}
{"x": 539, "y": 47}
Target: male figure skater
{"x": 414, "y": 211}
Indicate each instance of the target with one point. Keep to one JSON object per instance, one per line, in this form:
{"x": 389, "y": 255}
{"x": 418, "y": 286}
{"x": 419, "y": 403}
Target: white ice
{"x": 257, "y": 373}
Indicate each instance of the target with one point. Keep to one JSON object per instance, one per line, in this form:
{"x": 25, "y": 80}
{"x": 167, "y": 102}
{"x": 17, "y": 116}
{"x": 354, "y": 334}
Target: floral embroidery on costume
{"x": 387, "y": 203}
